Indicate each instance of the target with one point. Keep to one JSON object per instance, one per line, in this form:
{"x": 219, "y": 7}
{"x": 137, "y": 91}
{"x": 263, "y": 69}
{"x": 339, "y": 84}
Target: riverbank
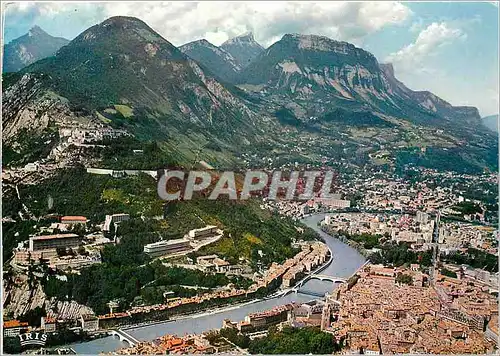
{"x": 355, "y": 245}
{"x": 233, "y": 306}
{"x": 194, "y": 315}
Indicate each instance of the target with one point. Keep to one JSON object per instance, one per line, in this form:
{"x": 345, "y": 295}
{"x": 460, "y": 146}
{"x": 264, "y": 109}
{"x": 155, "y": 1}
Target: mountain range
{"x": 318, "y": 69}
{"x": 222, "y": 101}
{"x": 122, "y": 63}
{"x": 33, "y": 46}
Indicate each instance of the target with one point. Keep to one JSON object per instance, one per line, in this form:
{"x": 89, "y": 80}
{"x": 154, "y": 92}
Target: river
{"x": 346, "y": 261}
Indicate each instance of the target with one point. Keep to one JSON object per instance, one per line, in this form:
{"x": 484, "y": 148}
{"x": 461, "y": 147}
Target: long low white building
{"x": 209, "y": 230}
{"x": 167, "y": 247}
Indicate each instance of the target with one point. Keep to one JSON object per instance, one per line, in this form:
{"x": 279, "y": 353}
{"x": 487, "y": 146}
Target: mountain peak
{"x": 248, "y": 36}
{"x": 127, "y": 31}
{"x": 299, "y": 36}
{"x": 216, "y": 59}
{"x": 298, "y": 59}
{"x": 29, "y": 48}
{"x": 491, "y": 122}
{"x": 124, "y": 61}
{"x": 122, "y": 21}
{"x": 202, "y": 42}
{"x": 36, "y": 31}
{"x": 243, "y": 47}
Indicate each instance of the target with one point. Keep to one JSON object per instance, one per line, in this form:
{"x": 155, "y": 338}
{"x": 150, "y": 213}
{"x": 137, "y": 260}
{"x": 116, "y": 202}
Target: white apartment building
{"x": 166, "y": 247}
{"x": 203, "y": 232}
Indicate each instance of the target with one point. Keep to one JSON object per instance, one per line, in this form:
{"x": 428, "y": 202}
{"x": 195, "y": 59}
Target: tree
{"x": 82, "y": 251}
{"x": 448, "y": 273}
{"x": 112, "y": 230}
{"x": 404, "y": 279}
{"x": 11, "y": 345}
{"x": 33, "y": 316}
{"x": 78, "y": 229}
{"x": 294, "y": 341}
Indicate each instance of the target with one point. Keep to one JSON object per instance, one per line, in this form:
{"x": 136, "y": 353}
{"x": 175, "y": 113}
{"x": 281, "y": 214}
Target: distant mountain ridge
{"x": 29, "y": 48}
{"x": 427, "y": 99}
{"x": 491, "y": 122}
{"x": 216, "y": 59}
{"x": 227, "y": 60}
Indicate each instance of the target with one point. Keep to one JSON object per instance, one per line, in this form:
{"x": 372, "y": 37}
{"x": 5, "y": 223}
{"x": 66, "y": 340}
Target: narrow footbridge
{"x": 325, "y": 277}
{"x": 310, "y": 292}
{"x": 124, "y": 336}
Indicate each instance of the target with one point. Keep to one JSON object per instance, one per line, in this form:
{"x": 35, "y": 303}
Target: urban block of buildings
{"x": 379, "y": 315}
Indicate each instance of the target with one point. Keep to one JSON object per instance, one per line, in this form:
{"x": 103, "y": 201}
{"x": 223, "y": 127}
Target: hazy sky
{"x": 448, "y": 48}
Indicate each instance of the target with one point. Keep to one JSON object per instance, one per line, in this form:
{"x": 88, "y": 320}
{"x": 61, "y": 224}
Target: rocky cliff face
{"x": 23, "y": 297}
{"x": 29, "y": 48}
{"x": 324, "y": 72}
{"x": 306, "y": 66}
{"x": 29, "y": 107}
{"x": 244, "y": 48}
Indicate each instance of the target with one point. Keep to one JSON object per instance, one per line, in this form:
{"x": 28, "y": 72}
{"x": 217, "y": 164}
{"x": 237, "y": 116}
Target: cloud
{"x": 417, "y": 25}
{"x": 181, "y": 22}
{"x": 270, "y": 20}
{"x": 428, "y": 42}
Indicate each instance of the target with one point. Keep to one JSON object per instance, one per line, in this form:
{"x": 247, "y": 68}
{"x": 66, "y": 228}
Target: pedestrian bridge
{"x": 310, "y": 292}
{"x": 324, "y": 277}
{"x": 124, "y": 336}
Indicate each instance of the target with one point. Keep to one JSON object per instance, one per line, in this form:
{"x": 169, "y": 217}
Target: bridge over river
{"x": 299, "y": 287}
{"x": 321, "y": 277}
{"x": 124, "y": 336}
